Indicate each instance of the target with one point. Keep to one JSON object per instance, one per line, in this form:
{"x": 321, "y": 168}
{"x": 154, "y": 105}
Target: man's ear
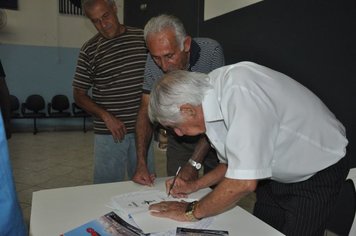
{"x": 187, "y": 109}
{"x": 187, "y": 43}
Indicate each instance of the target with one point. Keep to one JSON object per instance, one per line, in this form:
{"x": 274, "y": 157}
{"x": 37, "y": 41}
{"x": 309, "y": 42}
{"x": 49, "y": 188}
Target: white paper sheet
{"x": 138, "y": 201}
{"x": 134, "y": 207}
{"x": 152, "y": 224}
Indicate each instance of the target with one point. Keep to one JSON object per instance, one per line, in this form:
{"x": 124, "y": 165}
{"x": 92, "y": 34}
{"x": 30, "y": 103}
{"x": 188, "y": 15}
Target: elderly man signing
{"x": 272, "y": 135}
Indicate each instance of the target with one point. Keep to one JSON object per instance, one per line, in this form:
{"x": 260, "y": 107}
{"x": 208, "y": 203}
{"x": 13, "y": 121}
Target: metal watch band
{"x": 195, "y": 164}
{"x": 189, "y": 211}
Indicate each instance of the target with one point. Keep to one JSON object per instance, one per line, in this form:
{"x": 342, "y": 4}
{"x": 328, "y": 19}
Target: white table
{"x": 56, "y": 211}
{"x": 352, "y": 175}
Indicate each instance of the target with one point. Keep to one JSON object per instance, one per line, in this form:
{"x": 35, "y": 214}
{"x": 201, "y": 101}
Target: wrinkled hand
{"x": 142, "y": 176}
{"x": 170, "y": 209}
{"x": 116, "y": 127}
{"x": 181, "y": 188}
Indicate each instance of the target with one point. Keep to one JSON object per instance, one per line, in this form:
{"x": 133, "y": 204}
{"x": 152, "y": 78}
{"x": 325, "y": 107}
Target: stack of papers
{"x": 133, "y": 207}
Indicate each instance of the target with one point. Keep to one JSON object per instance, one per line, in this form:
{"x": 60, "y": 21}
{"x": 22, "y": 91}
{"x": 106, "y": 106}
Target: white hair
{"x": 173, "y": 90}
{"x": 162, "y": 22}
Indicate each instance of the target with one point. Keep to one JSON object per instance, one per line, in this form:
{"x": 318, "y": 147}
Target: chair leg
{"x": 84, "y": 127}
{"x": 34, "y": 126}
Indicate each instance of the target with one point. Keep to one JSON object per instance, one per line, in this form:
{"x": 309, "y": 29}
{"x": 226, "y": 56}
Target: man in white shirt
{"x": 272, "y": 135}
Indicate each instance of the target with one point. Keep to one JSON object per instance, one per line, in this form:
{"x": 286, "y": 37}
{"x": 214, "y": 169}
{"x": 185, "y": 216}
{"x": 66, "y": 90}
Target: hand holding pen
{"x": 174, "y": 181}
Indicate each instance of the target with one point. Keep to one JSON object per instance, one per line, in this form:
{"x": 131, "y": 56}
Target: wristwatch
{"x": 189, "y": 211}
{"x": 195, "y": 164}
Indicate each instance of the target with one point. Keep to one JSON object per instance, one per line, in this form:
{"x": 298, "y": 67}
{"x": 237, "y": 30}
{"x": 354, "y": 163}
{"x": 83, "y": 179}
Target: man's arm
{"x": 224, "y": 196}
{"x": 182, "y": 187}
{"x": 189, "y": 172}
{"x": 144, "y": 131}
{"x": 116, "y": 127}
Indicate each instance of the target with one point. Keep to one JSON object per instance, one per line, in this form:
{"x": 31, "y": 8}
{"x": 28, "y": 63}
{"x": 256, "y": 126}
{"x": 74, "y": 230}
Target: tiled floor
{"x": 61, "y": 159}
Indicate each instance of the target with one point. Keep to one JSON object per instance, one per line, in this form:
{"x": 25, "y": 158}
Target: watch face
{"x": 189, "y": 207}
{"x": 195, "y": 164}
{"x": 189, "y": 211}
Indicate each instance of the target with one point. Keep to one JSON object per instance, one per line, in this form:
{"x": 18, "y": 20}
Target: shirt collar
{"x": 211, "y": 107}
{"x": 194, "y": 54}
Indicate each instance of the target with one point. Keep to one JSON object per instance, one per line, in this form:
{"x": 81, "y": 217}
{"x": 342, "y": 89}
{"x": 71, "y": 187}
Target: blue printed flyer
{"x": 106, "y": 225}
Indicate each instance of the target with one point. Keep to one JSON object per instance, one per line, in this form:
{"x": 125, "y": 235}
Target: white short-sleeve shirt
{"x": 266, "y": 125}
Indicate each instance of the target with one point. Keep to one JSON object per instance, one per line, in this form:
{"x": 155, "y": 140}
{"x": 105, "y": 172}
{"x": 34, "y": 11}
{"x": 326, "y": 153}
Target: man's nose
{"x": 103, "y": 24}
{"x": 164, "y": 65}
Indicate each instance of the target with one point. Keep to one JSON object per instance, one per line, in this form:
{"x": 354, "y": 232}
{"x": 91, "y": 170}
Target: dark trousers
{"x": 180, "y": 149}
{"x": 301, "y": 208}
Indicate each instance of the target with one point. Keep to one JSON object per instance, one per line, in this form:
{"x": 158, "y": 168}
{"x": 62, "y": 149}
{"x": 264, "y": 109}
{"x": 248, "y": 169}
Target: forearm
{"x": 224, "y": 196}
{"x": 85, "y": 102}
{"x": 201, "y": 150}
{"x": 212, "y": 178}
{"x": 144, "y": 131}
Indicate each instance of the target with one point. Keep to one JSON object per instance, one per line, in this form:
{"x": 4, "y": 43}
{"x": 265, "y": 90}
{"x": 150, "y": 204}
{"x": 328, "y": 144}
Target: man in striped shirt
{"x": 172, "y": 49}
{"x": 112, "y": 65}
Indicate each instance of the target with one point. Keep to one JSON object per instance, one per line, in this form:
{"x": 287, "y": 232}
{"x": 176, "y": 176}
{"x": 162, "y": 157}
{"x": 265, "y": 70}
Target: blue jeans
{"x": 111, "y": 160}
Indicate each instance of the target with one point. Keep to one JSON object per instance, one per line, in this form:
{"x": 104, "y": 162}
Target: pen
{"x": 174, "y": 181}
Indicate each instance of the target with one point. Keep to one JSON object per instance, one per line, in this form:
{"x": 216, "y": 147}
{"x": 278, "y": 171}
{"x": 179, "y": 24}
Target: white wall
{"x": 38, "y": 23}
{"x": 214, "y": 8}
{"x": 39, "y": 49}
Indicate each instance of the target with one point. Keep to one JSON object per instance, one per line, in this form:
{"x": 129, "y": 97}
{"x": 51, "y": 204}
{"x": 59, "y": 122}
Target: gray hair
{"x": 174, "y": 89}
{"x": 162, "y": 22}
{"x": 89, "y": 3}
